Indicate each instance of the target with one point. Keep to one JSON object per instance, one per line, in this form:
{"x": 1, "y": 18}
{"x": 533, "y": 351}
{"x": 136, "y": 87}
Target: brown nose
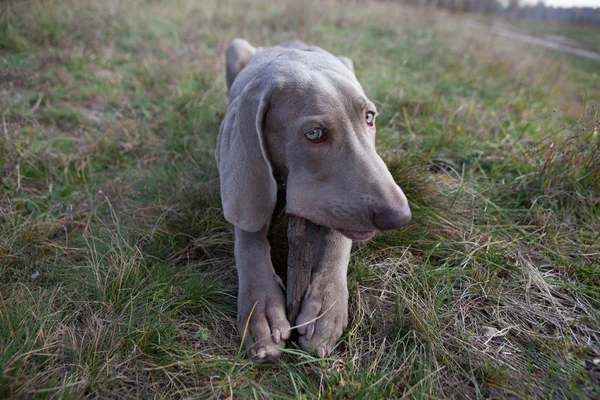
{"x": 392, "y": 218}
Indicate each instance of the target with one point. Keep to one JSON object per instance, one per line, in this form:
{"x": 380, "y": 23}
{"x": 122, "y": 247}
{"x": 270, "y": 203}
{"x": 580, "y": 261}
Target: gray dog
{"x": 298, "y": 115}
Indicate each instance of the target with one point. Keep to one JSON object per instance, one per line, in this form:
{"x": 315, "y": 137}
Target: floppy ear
{"x": 248, "y": 188}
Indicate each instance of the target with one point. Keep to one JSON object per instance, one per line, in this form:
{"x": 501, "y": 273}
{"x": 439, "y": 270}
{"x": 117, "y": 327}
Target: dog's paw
{"x": 262, "y": 318}
{"x": 323, "y": 316}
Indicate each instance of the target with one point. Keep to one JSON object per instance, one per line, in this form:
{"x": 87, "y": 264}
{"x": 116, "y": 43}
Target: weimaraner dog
{"x": 298, "y": 116}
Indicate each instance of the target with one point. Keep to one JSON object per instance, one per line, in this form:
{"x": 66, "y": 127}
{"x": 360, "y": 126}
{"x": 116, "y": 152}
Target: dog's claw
{"x": 276, "y": 335}
{"x": 261, "y": 353}
{"x": 321, "y": 352}
{"x": 310, "y": 330}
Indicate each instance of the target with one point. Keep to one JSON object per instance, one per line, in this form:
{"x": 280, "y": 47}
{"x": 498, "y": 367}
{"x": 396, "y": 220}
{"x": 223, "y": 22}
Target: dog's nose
{"x": 388, "y": 219}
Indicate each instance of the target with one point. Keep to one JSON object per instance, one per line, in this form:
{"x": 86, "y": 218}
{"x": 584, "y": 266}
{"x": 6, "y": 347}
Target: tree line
{"x": 514, "y": 9}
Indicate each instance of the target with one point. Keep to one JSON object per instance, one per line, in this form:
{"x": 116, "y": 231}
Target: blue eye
{"x": 370, "y": 118}
{"x": 315, "y": 135}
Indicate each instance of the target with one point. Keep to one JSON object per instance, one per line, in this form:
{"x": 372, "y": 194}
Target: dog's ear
{"x": 248, "y": 187}
{"x": 347, "y": 62}
{"x": 237, "y": 56}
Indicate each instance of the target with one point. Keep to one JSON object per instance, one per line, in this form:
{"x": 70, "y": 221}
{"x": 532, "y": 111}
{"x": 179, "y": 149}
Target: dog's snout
{"x": 392, "y": 218}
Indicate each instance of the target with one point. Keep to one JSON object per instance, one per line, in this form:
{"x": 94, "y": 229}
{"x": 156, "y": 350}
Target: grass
{"x": 586, "y": 36}
{"x": 117, "y": 274}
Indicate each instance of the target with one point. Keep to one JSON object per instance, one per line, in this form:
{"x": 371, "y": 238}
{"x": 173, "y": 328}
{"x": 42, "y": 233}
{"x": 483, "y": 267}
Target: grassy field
{"x": 585, "y": 36}
{"x": 117, "y": 275}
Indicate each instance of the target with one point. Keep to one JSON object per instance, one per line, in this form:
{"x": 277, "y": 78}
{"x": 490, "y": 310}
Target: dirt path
{"x": 553, "y": 42}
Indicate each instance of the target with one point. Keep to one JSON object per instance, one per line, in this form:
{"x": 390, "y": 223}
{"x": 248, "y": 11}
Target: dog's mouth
{"x": 357, "y": 235}
{"x": 354, "y": 235}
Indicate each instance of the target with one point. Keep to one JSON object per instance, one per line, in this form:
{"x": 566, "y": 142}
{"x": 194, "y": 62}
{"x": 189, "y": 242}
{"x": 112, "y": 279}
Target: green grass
{"x": 117, "y": 274}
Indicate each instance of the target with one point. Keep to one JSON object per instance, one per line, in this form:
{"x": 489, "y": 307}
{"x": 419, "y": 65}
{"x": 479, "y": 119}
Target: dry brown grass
{"x": 116, "y": 266}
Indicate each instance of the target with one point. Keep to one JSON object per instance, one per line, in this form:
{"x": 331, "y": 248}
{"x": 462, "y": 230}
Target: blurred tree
{"x": 515, "y": 9}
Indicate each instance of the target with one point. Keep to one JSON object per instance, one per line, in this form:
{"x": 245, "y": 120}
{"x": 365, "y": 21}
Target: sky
{"x": 567, "y": 3}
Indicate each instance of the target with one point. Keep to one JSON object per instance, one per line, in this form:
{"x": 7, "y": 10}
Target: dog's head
{"x": 306, "y": 118}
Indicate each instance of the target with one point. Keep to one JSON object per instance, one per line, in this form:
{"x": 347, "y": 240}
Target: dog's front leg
{"x": 261, "y": 304}
{"x": 324, "y": 311}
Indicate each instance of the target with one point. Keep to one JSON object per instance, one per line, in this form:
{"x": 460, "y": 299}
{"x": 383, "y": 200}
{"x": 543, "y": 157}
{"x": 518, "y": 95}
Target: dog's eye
{"x": 370, "y": 118}
{"x": 315, "y": 135}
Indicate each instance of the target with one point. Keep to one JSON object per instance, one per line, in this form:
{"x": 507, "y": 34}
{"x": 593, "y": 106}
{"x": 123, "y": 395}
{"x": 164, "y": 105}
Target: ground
{"x": 117, "y": 274}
